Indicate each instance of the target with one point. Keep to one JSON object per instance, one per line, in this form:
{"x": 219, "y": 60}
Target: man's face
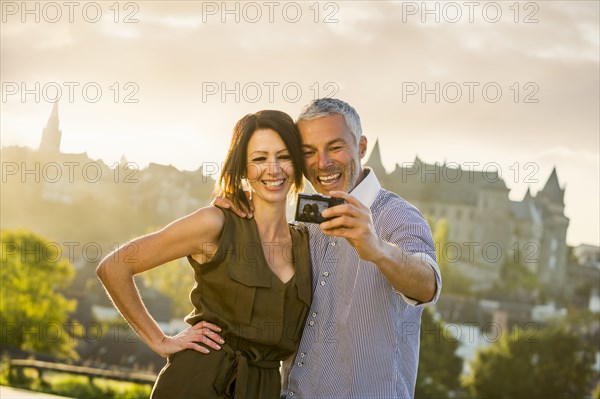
{"x": 331, "y": 154}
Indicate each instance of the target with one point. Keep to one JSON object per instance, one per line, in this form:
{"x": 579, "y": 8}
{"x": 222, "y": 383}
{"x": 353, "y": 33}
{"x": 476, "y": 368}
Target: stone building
{"x": 486, "y": 228}
{"x": 51, "y": 135}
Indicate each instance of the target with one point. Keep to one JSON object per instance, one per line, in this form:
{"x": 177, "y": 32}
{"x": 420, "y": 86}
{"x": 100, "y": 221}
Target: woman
{"x": 253, "y": 283}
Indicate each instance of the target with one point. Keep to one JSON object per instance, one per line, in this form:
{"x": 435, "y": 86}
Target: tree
{"x": 517, "y": 277}
{"x": 596, "y": 392}
{"x": 550, "y": 363}
{"x": 439, "y": 365}
{"x": 453, "y": 281}
{"x": 34, "y": 315}
{"x": 440, "y": 232}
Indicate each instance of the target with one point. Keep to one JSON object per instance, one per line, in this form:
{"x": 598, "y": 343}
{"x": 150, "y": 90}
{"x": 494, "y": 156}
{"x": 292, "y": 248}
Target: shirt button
{"x": 302, "y": 354}
{"x": 300, "y": 364}
{"x": 292, "y": 393}
{"x": 311, "y": 323}
{"x": 326, "y": 274}
{"x": 314, "y": 314}
{"x": 333, "y": 244}
{"x": 322, "y": 282}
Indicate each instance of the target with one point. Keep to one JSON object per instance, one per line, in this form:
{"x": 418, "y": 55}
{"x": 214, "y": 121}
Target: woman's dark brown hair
{"x": 234, "y": 167}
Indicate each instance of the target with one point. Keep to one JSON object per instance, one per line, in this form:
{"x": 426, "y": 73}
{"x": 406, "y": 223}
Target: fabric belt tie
{"x": 243, "y": 362}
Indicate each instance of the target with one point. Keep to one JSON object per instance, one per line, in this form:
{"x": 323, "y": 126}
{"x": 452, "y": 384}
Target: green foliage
{"x": 552, "y": 363}
{"x": 34, "y": 314}
{"x": 454, "y": 282}
{"x": 18, "y": 377}
{"x": 440, "y": 238}
{"x": 175, "y": 280}
{"x": 596, "y": 393}
{"x": 4, "y": 369}
{"x": 517, "y": 277}
{"x": 439, "y": 365}
{"x": 80, "y": 387}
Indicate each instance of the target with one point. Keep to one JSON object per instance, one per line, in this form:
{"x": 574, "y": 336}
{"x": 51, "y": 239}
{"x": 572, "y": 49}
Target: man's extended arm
{"x": 409, "y": 274}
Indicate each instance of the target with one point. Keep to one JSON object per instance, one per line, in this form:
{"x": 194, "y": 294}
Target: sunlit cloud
{"x": 120, "y": 31}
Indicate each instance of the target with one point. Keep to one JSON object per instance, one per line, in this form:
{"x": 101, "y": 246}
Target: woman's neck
{"x": 270, "y": 219}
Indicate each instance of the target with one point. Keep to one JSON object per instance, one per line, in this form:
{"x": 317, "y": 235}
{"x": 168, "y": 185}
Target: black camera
{"x": 310, "y": 206}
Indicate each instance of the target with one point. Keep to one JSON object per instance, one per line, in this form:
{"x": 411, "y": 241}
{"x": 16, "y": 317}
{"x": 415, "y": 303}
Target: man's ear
{"x": 362, "y": 146}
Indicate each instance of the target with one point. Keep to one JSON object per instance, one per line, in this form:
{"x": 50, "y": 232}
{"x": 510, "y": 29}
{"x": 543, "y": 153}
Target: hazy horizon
{"x": 519, "y": 90}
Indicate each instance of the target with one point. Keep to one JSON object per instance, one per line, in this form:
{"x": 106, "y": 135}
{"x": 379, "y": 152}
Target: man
{"x": 373, "y": 270}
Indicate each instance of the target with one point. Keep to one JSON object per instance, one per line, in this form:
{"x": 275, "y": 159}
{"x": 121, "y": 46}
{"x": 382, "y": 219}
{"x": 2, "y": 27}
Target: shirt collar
{"x": 367, "y": 189}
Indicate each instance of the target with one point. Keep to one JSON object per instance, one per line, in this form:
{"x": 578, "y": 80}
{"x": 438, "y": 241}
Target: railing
{"x": 91, "y": 373}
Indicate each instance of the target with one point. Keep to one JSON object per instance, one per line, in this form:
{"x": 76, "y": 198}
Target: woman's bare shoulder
{"x": 206, "y": 221}
{"x": 198, "y": 228}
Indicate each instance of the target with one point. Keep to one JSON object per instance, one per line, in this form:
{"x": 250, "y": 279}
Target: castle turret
{"x": 553, "y": 249}
{"x": 552, "y": 191}
{"x": 374, "y": 161}
{"x": 51, "y": 135}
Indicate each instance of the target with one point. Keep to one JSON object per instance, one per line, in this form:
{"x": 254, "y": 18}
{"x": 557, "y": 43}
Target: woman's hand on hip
{"x": 199, "y": 337}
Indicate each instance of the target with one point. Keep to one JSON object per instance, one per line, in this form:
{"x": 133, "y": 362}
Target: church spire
{"x": 552, "y": 189}
{"x": 374, "y": 160}
{"x": 528, "y": 195}
{"x": 51, "y": 135}
{"x": 53, "y": 120}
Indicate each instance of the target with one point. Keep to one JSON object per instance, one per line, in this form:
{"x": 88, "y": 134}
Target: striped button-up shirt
{"x": 361, "y": 338}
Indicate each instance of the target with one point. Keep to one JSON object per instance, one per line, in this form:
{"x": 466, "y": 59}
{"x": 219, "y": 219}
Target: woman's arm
{"x": 196, "y": 233}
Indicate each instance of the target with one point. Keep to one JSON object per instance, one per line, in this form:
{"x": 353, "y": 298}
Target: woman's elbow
{"x": 108, "y": 268}
{"x": 102, "y": 270}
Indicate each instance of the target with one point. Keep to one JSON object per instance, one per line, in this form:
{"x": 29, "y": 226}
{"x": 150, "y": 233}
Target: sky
{"x": 506, "y": 85}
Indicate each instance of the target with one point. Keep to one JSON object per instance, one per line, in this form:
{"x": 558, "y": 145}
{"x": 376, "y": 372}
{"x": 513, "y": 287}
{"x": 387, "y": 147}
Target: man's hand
{"x": 410, "y": 275}
{"x": 242, "y": 211}
{"x": 353, "y": 222}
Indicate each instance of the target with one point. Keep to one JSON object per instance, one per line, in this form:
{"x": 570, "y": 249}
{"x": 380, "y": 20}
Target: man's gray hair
{"x": 331, "y": 106}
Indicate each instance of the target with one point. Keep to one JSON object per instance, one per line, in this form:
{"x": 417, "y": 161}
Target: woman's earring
{"x": 246, "y": 187}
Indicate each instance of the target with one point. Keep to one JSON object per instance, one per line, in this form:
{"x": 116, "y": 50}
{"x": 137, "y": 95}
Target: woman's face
{"x": 270, "y": 170}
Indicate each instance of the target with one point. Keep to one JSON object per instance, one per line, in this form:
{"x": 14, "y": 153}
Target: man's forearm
{"x": 409, "y": 274}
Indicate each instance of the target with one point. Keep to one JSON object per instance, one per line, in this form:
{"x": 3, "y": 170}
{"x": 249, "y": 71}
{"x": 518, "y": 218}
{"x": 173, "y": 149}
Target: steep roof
{"x": 374, "y": 160}
{"x": 526, "y": 209}
{"x": 434, "y": 182}
{"x": 552, "y": 189}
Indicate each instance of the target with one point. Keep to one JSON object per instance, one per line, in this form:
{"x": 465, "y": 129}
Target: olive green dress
{"x": 261, "y": 318}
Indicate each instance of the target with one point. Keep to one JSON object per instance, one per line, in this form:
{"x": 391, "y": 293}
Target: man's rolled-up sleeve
{"x": 413, "y": 235}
